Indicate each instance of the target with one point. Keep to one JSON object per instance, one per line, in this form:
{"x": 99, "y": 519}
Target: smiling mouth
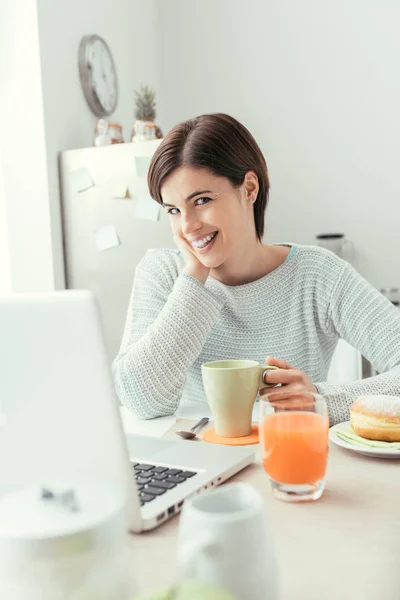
{"x": 203, "y": 243}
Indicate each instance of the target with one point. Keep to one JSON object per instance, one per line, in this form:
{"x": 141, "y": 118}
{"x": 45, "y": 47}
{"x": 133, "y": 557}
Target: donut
{"x": 376, "y": 418}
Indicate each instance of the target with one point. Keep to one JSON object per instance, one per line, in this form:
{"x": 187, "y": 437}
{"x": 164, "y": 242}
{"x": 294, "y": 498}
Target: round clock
{"x": 98, "y": 75}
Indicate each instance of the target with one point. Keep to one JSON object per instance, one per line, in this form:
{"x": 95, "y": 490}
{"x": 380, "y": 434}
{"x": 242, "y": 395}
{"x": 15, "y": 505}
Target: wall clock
{"x": 98, "y": 75}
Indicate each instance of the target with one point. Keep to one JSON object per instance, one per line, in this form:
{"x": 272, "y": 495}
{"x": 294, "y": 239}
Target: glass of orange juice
{"x": 293, "y": 430}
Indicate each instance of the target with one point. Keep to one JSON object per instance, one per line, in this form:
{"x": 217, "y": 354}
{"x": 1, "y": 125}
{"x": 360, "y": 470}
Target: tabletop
{"x": 344, "y": 546}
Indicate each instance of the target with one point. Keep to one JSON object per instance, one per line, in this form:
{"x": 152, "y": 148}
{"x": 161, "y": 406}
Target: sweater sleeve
{"x": 166, "y": 327}
{"x": 359, "y": 314}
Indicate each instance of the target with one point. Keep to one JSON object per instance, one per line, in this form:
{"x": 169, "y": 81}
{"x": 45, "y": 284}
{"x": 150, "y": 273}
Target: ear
{"x": 251, "y": 186}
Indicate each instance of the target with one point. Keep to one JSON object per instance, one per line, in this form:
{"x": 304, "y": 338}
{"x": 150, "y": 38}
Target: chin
{"x": 210, "y": 262}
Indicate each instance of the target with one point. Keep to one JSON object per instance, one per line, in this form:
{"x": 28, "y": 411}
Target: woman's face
{"x": 216, "y": 219}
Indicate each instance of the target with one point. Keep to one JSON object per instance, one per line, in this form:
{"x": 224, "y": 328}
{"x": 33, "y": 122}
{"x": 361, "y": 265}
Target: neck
{"x": 252, "y": 261}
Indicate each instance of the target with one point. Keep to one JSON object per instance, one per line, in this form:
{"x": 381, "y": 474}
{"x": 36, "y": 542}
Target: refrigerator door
{"x": 109, "y": 222}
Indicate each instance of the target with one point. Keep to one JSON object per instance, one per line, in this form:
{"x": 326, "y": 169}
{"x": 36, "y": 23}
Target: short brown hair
{"x": 216, "y": 142}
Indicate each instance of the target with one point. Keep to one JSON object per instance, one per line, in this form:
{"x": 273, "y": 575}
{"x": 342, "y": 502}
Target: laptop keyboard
{"x": 153, "y": 481}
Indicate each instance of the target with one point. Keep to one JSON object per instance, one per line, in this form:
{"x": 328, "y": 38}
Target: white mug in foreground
{"x": 224, "y": 539}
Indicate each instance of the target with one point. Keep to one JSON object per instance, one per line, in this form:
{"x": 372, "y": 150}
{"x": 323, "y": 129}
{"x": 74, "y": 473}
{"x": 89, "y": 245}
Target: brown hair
{"x": 216, "y": 142}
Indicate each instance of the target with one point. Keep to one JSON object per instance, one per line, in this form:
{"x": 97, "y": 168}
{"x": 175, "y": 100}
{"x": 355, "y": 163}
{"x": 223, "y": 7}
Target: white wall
{"x": 316, "y": 83}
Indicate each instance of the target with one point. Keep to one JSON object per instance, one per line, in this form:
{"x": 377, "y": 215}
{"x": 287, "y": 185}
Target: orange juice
{"x": 295, "y": 446}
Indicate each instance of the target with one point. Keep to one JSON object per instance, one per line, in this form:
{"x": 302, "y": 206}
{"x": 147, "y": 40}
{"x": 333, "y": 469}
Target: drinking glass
{"x": 293, "y": 430}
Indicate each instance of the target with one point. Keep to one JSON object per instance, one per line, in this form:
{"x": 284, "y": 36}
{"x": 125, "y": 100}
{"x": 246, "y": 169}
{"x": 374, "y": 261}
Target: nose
{"x": 189, "y": 222}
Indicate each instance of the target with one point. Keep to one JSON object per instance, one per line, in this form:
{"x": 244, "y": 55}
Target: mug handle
{"x": 263, "y": 370}
{"x": 190, "y": 552}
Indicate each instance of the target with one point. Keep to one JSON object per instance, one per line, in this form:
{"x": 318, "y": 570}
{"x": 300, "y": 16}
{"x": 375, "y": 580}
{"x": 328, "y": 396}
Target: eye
{"x": 198, "y": 202}
{"x": 201, "y": 201}
{"x": 171, "y": 211}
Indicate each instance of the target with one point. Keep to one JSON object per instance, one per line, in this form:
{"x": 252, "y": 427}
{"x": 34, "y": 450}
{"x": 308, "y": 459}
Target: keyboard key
{"x": 159, "y": 476}
{"x": 146, "y": 497}
{"x": 157, "y": 491}
{"x": 187, "y": 474}
{"x": 154, "y": 481}
{"x": 173, "y": 472}
{"x": 144, "y": 467}
{"x": 176, "y": 479}
{"x": 166, "y": 485}
{"x": 142, "y": 480}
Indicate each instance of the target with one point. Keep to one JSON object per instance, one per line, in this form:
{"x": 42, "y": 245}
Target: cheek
{"x": 234, "y": 225}
{"x": 174, "y": 223}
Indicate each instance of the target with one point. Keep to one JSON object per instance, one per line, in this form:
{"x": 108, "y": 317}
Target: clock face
{"x": 98, "y": 75}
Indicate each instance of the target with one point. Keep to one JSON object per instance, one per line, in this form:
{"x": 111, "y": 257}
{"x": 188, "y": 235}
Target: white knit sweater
{"x": 297, "y": 312}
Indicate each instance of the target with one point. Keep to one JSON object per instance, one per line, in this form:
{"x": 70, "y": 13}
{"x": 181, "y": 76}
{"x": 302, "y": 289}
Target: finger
{"x": 178, "y": 241}
{"x": 293, "y": 388}
{"x": 278, "y": 362}
{"x": 283, "y": 376}
{"x": 277, "y": 394}
{"x": 183, "y": 246}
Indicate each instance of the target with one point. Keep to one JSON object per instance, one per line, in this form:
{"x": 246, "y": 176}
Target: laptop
{"x": 60, "y": 417}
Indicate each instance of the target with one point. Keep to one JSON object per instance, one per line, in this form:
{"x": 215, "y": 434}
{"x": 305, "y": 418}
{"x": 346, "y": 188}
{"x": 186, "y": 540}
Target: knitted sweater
{"x": 297, "y": 312}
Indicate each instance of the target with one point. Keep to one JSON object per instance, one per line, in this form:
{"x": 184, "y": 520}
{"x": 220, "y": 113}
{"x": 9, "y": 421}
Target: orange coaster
{"x": 245, "y": 440}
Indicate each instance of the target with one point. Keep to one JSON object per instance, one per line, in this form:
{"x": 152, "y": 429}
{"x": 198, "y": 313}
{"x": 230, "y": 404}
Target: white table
{"x": 345, "y": 546}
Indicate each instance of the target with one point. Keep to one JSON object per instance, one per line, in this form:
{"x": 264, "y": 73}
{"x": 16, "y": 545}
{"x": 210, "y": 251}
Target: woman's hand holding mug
{"x": 291, "y": 378}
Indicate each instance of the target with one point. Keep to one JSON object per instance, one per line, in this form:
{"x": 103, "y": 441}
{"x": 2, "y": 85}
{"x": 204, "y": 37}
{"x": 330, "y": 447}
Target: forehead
{"x": 184, "y": 181}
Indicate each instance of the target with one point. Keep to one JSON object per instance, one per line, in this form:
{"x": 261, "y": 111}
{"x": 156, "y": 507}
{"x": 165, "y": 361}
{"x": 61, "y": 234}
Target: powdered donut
{"x": 376, "y": 418}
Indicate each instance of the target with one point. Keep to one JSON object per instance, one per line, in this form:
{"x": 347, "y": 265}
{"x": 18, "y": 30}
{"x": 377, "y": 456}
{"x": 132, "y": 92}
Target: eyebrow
{"x": 191, "y": 196}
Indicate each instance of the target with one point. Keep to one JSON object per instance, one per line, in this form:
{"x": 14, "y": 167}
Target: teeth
{"x": 201, "y": 243}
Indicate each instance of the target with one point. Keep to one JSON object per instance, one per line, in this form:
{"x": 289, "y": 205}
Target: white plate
{"x": 367, "y": 450}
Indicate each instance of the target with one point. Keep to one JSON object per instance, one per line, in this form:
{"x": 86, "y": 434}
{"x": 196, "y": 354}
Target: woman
{"x": 224, "y": 294}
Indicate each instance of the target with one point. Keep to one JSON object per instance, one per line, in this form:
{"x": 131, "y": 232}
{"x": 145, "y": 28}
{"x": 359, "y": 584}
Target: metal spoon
{"x": 189, "y": 435}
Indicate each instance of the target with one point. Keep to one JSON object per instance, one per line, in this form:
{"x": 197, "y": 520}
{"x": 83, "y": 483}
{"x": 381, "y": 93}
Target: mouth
{"x": 203, "y": 245}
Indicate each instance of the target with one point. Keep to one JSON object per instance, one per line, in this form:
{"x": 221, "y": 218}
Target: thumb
{"x": 278, "y": 362}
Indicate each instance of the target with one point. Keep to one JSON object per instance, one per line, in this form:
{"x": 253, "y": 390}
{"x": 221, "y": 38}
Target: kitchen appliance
{"x": 337, "y": 243}
{"x": 109, "y": 223}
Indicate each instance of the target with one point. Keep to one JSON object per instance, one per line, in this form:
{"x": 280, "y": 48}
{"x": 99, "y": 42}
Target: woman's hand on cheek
{"x": 193, "y": 265}
{"x": 291, "y": 378}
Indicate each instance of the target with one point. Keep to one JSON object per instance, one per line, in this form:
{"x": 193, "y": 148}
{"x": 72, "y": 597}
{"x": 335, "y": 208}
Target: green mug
{"x": 231, "y": 388}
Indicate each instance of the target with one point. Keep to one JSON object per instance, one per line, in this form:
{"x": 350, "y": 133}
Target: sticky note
{"x": 121, "y": 193}
{"x": 116, "y": 189}
{"x": 81, "y": 179}
{"x": 106, "y": 238}
{"x": 142, "y": 166}
{"x": 144, "y": 207}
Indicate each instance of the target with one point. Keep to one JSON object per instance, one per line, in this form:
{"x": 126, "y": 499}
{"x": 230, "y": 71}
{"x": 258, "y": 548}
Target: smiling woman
{"x": 227, "y": 295}
{"x": 215, "y": 222}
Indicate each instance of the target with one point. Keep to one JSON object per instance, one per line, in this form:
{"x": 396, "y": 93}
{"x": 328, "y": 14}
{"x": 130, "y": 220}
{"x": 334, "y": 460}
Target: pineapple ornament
{"x": 144, "y": 127}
